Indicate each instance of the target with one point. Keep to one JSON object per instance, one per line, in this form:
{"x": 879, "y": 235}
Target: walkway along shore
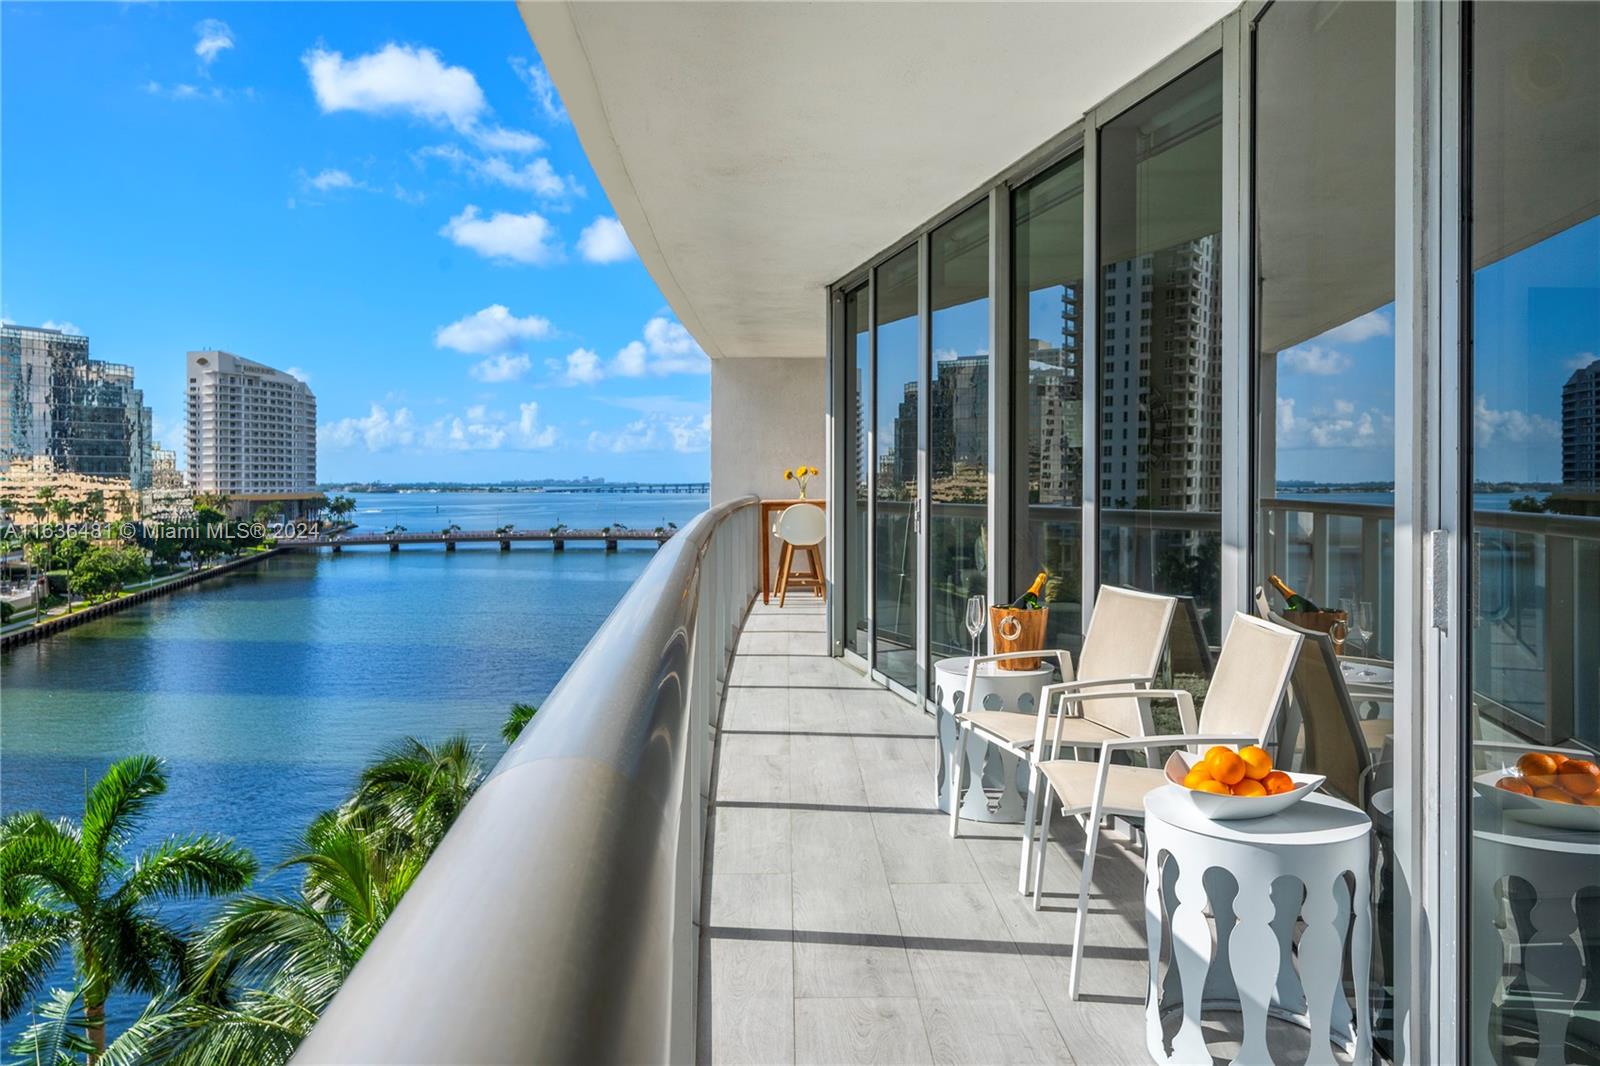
{"x": 39, "y": 630}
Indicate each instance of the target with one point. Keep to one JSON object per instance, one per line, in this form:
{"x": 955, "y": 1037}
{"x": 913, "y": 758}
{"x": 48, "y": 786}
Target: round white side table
{"x": 1001, "y": 772}
{"x": 1535, "y": 932}
{"x": 1255, "y": 968}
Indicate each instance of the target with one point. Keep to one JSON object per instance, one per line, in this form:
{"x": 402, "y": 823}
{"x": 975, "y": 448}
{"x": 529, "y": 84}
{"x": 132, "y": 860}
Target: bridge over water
{"x": 611, "y": 538}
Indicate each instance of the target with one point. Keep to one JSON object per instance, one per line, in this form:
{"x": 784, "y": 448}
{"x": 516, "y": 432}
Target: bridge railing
{"x": 559, "y": 919}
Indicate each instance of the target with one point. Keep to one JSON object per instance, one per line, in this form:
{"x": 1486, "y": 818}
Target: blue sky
{"x": 386, "y": 198}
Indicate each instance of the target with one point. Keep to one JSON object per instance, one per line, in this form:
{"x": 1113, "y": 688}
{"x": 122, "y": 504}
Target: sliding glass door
{"x": 1160, "y": 343}
{"x": 1047, "y": 349}
{"x": 857, "y": 368}
{"x": 1532, "y": 531}
{"x": 898, "y": 430}
{"x": 958, "y": 428}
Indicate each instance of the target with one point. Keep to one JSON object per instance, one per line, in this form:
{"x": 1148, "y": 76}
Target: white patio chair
{"x": 1240, "y": 708}
{"x": 1121, "y": 653}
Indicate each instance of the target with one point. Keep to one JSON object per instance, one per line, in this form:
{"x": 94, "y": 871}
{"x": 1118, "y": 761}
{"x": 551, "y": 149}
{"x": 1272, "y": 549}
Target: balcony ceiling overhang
{"x": 757, "y": 152}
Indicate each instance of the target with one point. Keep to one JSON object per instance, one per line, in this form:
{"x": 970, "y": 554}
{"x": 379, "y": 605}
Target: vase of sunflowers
{"x": 800, "y": 475}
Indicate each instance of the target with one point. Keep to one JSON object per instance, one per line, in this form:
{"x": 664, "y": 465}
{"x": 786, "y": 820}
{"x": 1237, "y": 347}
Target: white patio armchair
{"x": 1241, "y": 708}
{"x": 1121, "y": 653}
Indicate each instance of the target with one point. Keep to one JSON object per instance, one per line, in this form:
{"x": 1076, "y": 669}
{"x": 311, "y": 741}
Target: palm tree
{"x": 265, "y": 969}
{"x": 72, "y": 885}
{"x": 521, "y": 714}
{"x": 413, "y": 793}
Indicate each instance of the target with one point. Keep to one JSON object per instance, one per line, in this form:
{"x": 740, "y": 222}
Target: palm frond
{"x": 58, "y": 1032}
{"x": 114, "y": 808}
{"x": 34, "y": 937}
{"x": 38, "y": 854}
{"x": 521, "y": 714}
{"x": 199, "y": 865}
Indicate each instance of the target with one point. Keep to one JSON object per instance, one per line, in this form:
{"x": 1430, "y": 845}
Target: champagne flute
{"x": 977, "y": 617}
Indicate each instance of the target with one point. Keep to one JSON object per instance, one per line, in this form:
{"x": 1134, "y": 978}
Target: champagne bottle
{"x": 1295, "y": 601}
{"x": 1029, "y": 601}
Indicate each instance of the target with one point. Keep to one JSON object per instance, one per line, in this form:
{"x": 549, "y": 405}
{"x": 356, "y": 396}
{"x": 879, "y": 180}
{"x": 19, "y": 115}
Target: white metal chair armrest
{"x": 1183, "y": 697}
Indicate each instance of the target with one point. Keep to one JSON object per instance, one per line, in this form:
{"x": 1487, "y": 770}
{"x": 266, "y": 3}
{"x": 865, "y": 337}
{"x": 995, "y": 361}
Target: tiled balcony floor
{"x": 846, "y": 926}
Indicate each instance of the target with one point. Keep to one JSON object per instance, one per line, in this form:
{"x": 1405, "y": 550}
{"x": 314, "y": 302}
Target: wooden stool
{"x": 802, "y": 528}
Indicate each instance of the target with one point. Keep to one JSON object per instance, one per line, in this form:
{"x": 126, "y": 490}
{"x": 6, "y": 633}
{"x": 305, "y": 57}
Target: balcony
{"x": 845, "y": 925}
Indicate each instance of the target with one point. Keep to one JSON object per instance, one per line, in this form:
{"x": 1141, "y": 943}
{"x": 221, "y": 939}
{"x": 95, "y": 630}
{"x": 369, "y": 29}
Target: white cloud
{"x": 505, "y": 238}
{"x": 1370, "y": 325}
{"x": 656, "y": 432}
{"x": 541, "y": 88}
{"x": 480, "y": 429}
{"x": 632, "y": 360}
{"x": 378, "y": 431}
{"x": 1313, "y": 359}
{"x": 500, "y": 139}
{"x": 1510, "y": 426}
{"x": 407, "y": 196}
{"x": 183, "y": 91}
{"x": 605, "y": 241}
{"x": 401, "y": 79}
{"x": 1342, "y": 427}
{"x": 1581, "y": 360}
{"x": 296, "y": 372}
{"x": 214, "y": 38}
{"x": 582, "y": 367}
{"x": 330, "y": 180}
{"x": 492, "y": 329}
{"x": 532, "y": 434}
{"x": 667, "y": 348}
{"x": 63, "y": 326}
{"x": 672, "y": 349}
{"x": 396, "y": 79}
{"x": 537, "y": 177}
{"x": 499, "y": 368}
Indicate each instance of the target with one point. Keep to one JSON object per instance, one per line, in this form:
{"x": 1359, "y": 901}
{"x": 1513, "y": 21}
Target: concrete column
{"x": 767, "y": 415}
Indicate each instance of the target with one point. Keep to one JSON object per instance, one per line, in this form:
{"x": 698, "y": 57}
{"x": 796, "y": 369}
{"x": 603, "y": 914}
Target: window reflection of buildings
{"x": 1161, "y": 380}
{"x": 1055, "y": 411}
{"x": 1580, "y": 429}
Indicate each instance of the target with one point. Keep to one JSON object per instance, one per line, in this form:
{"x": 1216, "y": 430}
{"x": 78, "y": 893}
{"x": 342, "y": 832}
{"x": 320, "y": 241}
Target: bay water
{"x": 268, "y": 689}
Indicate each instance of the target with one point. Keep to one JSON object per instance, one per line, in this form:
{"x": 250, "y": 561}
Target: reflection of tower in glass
{"x": 958, "y": 405}
{"x": 1580, "y": 429}
{"x": 1161, "y": 380}
{"x": 1055, "y": 410}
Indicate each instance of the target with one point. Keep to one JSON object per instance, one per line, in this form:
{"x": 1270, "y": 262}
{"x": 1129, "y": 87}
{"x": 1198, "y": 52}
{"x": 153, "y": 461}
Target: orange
{"x": 1196, "y": 774}
{"x": 1539, "y": 769}
{"x": 1578, "y": 776}
{"x": 1249, "y": 787}
{"x": 1515, "y": 784}
{"x": 1257, "y": 763}
{"x": 1216, "y": 787}
{"x": 1591, "y": 800}
{"x": 1277, "y": 781}
{"x": 1552, "y": 795}
{"x": 1213, "y": 751}
{"x": 1226, "y": 766}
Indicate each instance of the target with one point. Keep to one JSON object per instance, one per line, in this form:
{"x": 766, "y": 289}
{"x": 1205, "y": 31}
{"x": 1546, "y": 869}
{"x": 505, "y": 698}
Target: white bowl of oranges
{"x": 1230, "y": 785}
{"x": 1547, "y": 788}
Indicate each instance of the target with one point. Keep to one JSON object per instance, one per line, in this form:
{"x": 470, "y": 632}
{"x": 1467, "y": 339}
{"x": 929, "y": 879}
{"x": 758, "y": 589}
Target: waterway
{"x": 268, "y": 690}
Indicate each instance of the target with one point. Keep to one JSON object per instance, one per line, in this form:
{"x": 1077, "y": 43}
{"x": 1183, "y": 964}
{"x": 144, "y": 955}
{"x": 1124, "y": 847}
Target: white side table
{"x": 1555, "y": 865}
{"x": 1255, "y": 968}
{"x": 991, "y": 769}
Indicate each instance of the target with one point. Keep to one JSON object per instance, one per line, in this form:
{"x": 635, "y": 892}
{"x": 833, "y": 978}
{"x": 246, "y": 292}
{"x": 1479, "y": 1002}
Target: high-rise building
{"x": 252, "y": 429}
{"x": 1580, "y": 428}
{"x": 83, "y": 414}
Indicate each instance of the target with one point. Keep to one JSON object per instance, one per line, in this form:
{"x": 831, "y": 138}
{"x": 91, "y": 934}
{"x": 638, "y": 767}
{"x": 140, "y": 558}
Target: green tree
{"x": 73, "y": 886}
{"x": 97, "y": 573}
{"x": 521, "y": 714}
{"x": 69, "y": 551}
{"x": 263, "y": 972}
{"x": 408, "y": 798}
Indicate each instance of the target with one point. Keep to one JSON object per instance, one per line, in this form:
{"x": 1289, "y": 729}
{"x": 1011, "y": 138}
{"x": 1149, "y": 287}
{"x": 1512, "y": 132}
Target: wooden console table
{"x": 767, "y": 509}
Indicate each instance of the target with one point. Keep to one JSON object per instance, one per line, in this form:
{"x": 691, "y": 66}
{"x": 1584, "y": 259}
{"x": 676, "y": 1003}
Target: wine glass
{"x": 977, "y": 617}
{"x": 1358, "y": 617}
